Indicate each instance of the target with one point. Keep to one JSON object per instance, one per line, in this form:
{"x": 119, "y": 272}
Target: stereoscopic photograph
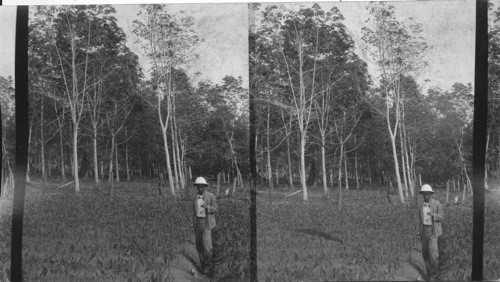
{"x": 288, "y": 141}
{"x": 138, "y": 130}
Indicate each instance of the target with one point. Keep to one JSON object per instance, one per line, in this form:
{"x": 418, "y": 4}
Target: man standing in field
{"x": 430, "y": 216}
{"x": 204, "y": 207}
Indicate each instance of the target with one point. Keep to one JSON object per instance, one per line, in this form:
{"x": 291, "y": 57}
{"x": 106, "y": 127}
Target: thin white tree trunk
{"x": 180, "y": 158}
{"x": 346, "y": 175}
{"x": 75, "y": 157}
{"x": 96, "y": 161}
{"x": 323, "y": 163}
{"x": 111, "y": 155}
{"x": 356, "y": 168}
{"x": 486, "y": 170}
{"x": 117, "y": 163}
{"x": 340, "y": 173}
{"x": 268, "y": 145}
{"x": 403, "y": 163}
{"x": 174, "y": 154}
{"x": 167, "y": 157}
{"x": 61, "y": 144}
{"x": 396, "y": 168}
{"x": 29, "y": 158}
{"x": 303, "y": 167}
{"x": 42, "y": 146}
{"x": 290, "y": 165}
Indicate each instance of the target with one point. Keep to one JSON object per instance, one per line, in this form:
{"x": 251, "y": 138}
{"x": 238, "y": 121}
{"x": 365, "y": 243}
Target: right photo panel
{"x": 364, "y": 114}
{"x": 491, "y": 257}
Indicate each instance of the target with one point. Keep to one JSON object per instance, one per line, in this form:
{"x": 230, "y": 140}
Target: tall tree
{"x": 72, "y": 36}
{"x": 398, "y": 49}
{"x": 300, "y": 43}
{"x": 168, "y": 42}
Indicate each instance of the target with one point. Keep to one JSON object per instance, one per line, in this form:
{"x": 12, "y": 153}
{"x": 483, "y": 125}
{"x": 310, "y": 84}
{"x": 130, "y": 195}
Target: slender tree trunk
{"x": 346, "y": 175}
{"x": 409, "y": 167}
{"x": 331, "y": 176}
{"x": 117, "y": 163}
{"x": 463, "y": 194}
{"x": 180, "y": 158}
{"x": 96, "y": 161}
{"x": 323, "y": 162}
{"x": 356, "y": 168}
{"x": 340, "y": 174}
{"x": 176, "y": 151}
{"x": 341, "y": 161}
{"x": 111, "y": 155}
{"x": 403, "y": 163}
{"x": 303, "y": 167}
{"x": 396, "y": 168}
{"x": 42, "y": 146}
{"x": 498, "y": 155}
{"x": 486, "y": 170}
{"x": 447, "y": 190}
{"x": 126, "y": 162}
{"x": 393, "y": 134}
{"x": 269, "y": 168}
{"x": 174, "y": 154}
{"x": 290, "y": 165}
{"x": 29, "y": 158}
{"x": 218, "y": 182}
{"x": 167, "y": 156}
{"x": 61, "y": 144}
{"x": 75, "y": 157}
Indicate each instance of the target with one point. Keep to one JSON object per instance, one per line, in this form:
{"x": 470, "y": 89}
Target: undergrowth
{"x": 131, "y": 237}
{"x": 367, "y": 239}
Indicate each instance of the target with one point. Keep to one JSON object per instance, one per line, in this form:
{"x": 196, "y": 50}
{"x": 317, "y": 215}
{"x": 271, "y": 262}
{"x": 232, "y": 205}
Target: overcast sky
{"x": 449, "y": 26}
{"x": 223, "y": 29}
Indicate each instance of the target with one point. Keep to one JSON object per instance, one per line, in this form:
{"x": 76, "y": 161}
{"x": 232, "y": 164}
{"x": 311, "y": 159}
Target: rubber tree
{"x": 398, "y": 49}
{"x": 168, "y": 42}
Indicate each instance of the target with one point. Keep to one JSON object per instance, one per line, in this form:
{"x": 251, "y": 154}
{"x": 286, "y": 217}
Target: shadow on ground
{"x": 321, "y": 234}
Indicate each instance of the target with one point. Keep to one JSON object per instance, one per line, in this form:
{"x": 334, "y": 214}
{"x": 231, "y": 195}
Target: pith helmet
{"x": 200, "y": 181}
{"x": 426, "y": 188}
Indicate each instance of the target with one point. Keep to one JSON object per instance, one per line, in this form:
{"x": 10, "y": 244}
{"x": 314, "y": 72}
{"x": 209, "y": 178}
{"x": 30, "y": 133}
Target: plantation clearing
{"x": 367, "y": 239}
{"x": 135, "y": 236}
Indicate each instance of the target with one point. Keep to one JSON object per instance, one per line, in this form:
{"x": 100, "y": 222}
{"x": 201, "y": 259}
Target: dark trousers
{"x": 430, "y": 251}
{"x": 203, "y": 241}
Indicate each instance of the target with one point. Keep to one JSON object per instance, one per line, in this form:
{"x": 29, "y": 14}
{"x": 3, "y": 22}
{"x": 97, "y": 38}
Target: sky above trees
{"x": 448, "y": 25}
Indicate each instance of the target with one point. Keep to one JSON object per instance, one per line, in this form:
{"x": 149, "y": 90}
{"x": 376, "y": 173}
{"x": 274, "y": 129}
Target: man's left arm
{"x": 438, "y": 213}
{"x": 212, "y": 205}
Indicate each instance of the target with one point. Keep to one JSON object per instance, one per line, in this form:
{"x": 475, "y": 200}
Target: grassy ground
{"x": 368, "y": 239}
{"x": 5, "y": 236}
{"x": 131, "y": 237}
{"x": 491, "y": 255}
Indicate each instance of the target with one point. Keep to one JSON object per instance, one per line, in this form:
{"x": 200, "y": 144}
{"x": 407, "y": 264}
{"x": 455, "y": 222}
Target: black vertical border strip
{"x": 22, "y": 120}
{"x": 479, "y": 139}
{"x": 252, "y": 144}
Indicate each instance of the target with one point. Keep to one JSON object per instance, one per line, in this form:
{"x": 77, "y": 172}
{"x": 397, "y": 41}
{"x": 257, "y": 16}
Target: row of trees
{"x": 318, "y": 102}
{"x": 89, "y": 95}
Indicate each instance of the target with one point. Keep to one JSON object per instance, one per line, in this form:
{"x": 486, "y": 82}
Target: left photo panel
{"x": 138, "y": 161}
